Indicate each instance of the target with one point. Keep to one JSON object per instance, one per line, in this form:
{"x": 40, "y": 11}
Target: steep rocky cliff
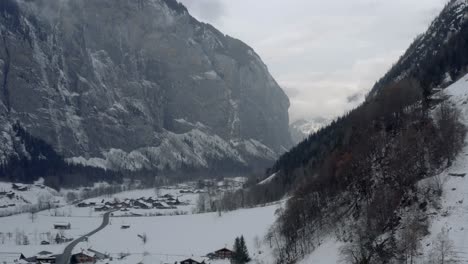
{"x": 136, "y": 85}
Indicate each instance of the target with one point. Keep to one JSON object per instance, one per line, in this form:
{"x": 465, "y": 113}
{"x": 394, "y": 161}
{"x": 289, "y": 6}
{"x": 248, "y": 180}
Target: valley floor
{"x": 170, "y": 238}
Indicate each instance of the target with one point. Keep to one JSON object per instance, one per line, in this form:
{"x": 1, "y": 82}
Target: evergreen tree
{"x": 241, "y": 253}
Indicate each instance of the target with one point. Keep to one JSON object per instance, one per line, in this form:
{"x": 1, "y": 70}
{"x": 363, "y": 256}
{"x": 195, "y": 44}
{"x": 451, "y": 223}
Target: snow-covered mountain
{"x": 302, "y": 128}
{"x": 135, "y": 85}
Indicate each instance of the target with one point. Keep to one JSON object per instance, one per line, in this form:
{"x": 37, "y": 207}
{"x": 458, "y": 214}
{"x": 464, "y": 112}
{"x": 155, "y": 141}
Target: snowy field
{"x": 173, "y": 238}
{"x": 42, "y": 229}
{"x": 170, "y": 238}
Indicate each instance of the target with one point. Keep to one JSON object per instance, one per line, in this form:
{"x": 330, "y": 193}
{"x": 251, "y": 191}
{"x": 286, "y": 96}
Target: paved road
{"x": 67, "y": 252}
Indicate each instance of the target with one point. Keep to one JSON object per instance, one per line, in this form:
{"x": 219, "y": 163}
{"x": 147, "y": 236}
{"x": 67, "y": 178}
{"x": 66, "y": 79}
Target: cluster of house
{"x": 166, "y": 201}
{"x": 92, "y": 256}
{"x": 46, "y": 257}
{"x": 10, "y": 195}
{"x": 18, "y": 187}
{"x": 222, "y": 254}
{"x": 42, "y": 257}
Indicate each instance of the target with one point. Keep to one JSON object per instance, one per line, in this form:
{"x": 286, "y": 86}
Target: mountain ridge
{"x": 137, "y": 85}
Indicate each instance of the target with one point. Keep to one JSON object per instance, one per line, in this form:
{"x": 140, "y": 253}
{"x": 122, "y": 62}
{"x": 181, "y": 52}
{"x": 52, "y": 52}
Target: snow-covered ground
{"x": 41, "y": 229}
{"x": 327, "y": 253}
{"x": 14, "y": 201}
{"x": 174, "y": 238}
{"x": 453, "y": 217}
{"x": 170, "y": 238}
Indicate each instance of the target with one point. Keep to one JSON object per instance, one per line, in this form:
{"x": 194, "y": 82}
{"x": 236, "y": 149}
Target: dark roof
{"x": 44, "y": 253}
{"x": 191, "y": 261}
{"x": 224, "y": 250}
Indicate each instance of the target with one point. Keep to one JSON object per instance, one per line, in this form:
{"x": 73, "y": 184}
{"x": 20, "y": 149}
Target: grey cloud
{"x": 325, "y": 54}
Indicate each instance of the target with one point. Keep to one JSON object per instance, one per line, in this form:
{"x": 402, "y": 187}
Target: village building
{"x": 98, "y": 255}
{"x": 192, "y": 261}
{"x": 223, "y": 253}
{"x": 102, "y": 208}
{"x": 62, "y": 226}
{"x": 142, "y": 204}
{"x": 84, "y": 257}
{"x": 59, "y": 239}
{"x": 44, "y": 257}
{"x": 19, "y": 187}
{"x": 83, "y": 204}
{"x": 163, "y": 205}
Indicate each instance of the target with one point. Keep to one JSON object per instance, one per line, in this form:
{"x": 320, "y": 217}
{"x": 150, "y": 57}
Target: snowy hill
{"x": 16, "y": 197}
{"x": 453, "y": 214}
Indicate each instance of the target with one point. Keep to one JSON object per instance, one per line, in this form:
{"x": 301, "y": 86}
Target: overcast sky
{"x": 325, "y": 54}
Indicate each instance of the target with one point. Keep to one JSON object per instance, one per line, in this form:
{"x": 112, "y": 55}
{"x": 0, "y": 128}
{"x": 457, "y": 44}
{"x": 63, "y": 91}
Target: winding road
{"x": 67, "y": 252}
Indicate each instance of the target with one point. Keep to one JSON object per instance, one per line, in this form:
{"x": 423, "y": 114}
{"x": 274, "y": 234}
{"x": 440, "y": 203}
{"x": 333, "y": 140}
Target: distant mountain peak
{"x": 302, "y": 128}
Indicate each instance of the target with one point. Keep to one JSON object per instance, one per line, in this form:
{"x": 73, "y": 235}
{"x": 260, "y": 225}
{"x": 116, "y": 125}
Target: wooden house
{"x": 191, "y": 261}
{"x": 62, "y": 226}
{"x": 142, "y": 204}
{"x": 84, "y": 257}
{"x": 44, "y": 257}
{"x": 223, "y": 253}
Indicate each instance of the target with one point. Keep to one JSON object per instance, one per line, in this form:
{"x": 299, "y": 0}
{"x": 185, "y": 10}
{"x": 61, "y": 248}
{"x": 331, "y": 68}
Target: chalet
{"x": 98, "y": 255}
{"x": 45, "y": 257}
{"x": 192, "y": 261}
{"x": 59, "y": 239}
{"x": 223, "y": 253}
{"x": 124, "y": 226}
{"x": 176, "y": 202}
{"x": 62, "y": 226}
{"x": 83, "y": 204}
{"x": 19, "y": 187}
{"x": 150, "y": 200}
{"x": 84, "y": 257}
{"x": 110, "y": 204}
{"x": 142, "y": 204}
{"x": 168, "y": 196}
{"x": 163, "y": 205}
{"x": 10, "y": 195}
{"x": 43, "y": 242}
{"x": 102, "y": 208}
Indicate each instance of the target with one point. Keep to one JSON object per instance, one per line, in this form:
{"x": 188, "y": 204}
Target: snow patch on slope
{"x": 453, "y": 215}
{"x": 195, "y": 148}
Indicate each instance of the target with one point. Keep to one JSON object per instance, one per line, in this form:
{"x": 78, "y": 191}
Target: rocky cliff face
{"x": 136, "y": 85}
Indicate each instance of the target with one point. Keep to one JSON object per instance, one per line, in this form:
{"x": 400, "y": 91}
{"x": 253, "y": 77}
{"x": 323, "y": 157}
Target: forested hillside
{"x": 359, "y": 178}
{"x": 439, "y": 56}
